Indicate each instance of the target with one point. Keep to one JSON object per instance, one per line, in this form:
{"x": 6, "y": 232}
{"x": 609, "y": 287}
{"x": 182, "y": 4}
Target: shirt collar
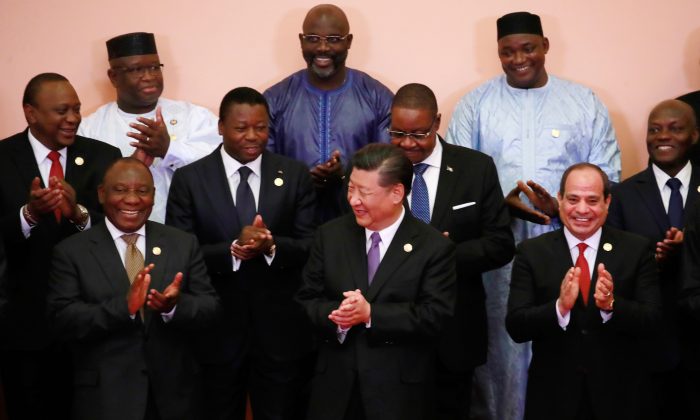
{"x": 116, "y": 233}
{"x": 40, "y": 151}
{"x": 662, "y": 177}
{"x": 231, "y": 165}
{"x": 435, "y": 157}
{"x": 387, "y": 234}
{"x": 592, "y": 241}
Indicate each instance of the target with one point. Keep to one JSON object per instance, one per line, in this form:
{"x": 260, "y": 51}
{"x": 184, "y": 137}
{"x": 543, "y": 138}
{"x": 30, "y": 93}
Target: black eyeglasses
{"x": 140, "y": 71}
{"x": 396, "y": 134}
{"x": 317, "y": 39}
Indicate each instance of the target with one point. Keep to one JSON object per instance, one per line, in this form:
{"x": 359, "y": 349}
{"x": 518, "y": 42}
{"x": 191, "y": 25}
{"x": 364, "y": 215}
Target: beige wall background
{"x": 632, "y": 53}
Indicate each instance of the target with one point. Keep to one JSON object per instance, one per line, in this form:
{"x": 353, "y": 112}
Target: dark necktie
{"x": 584, "y": 280}
{"x": 373, "y": 256}
{"x": 675, "y": 204}
{"x": 420, "y": 204}
{"x": 57, "y": 171}
{"x": 245, "y": 201}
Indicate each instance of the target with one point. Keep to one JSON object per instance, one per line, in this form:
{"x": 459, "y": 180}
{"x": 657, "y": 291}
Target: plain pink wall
{"x": 632, "y": 53}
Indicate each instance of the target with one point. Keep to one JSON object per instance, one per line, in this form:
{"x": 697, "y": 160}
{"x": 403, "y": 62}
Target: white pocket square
{"x": 463, "y": 205}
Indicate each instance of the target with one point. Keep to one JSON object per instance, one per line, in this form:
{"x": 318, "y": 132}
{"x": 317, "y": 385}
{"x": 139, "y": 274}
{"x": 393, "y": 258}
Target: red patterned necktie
{"x": 584, "y": 280}
{"x": 57, "y": 171}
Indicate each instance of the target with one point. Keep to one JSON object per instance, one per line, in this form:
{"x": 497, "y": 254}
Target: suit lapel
{"x": 651, "y": 197}
{"x": 693, "y": 188}
{"x": 394, "y": 257}
{"x": 446, "y": 184}
{"x": 105, "y": 252}
{"x": 220, "y": 195}
{"x": 355, "y": 251}
{"x": 157, "y": 252}
{"x": 25, "y": 161}
{"x": 273, "y": 183}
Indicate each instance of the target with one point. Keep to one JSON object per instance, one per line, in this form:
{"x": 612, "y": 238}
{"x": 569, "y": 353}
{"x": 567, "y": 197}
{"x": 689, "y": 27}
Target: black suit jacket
{"x": 118, "y": 361}
{"x": 257, "y": 299}
{"x": 607, "y": 354}
{"x": 690, "y": 291}
{"x": 484, "y": 241}
{"x": 411, "y": 297}
{"x": 636, "y": 206}
{"x": 29, "y": 258}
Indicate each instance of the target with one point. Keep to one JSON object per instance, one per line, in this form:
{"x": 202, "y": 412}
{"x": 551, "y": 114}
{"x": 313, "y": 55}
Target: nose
{"x": 354, "y": 199}
{"x": 407, "y": 142}
{"x": 518, "y": 57}
{"x": 73, "y": 117}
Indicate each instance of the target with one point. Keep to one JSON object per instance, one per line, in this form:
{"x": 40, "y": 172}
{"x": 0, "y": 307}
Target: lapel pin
{"x": 279, "y": 182}
{"x": 555, "y": 133}
{"x": 156, "y": 250}
{"x": 173, "y": 121}
{"x": 607, "y": 246}
{"x": 79, "y": 161}
{"x": 449, "y": 169}
{"x": 698, "y": 188}
{"x": 408, "y": 247}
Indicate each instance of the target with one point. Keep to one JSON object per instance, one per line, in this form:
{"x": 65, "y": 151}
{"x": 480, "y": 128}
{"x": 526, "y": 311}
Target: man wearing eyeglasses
{"x": 456, "y": 190}
{"x": 534, "y": 125}
{"x": 162, "y": 133}
{"x": 321, "y": 115}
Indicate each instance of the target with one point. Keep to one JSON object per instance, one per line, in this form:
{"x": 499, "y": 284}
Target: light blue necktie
{"x": 420, "y": 204}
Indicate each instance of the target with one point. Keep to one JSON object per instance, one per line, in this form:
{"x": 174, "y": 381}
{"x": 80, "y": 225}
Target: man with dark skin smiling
{"x": 464, "y": 200}
{"x": 127, "y": 296}
{"x": 252, "y": 210}
{"x": 321, "y": 115}
{"x": 48, "y": 191}
{"x": 534, "y": 125}
{"x": 585, "y": 295}
{"x": 644, "y": 204}
{"x": 163, "y": 133}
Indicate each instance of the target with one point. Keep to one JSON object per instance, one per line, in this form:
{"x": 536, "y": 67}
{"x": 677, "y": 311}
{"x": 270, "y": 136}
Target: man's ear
{"x": 29, "y": 114}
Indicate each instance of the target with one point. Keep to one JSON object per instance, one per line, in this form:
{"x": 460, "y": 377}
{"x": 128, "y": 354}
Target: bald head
{"x": 671, "y": 131}
{"x": 326, "y": 13}
{"x": 415, "y": 96}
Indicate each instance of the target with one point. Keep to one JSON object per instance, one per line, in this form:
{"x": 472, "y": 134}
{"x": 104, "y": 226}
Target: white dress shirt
{"x": 662, "y": 177}
{"x": 431, "y": 175}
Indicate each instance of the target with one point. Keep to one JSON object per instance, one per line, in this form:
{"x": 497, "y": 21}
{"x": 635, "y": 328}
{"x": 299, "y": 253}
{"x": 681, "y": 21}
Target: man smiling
{"x": 534, "y": 125}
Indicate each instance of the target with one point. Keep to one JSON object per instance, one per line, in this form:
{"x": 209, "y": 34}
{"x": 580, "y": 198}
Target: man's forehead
{"x": 135, "y": 59}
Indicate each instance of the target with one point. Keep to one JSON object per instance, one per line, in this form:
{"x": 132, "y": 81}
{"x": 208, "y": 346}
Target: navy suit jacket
{"x": 483, "y": 239}
{"x": 637, "y": 207}
{"x": 257, "y": 299}
{"x": 28, "y": 259}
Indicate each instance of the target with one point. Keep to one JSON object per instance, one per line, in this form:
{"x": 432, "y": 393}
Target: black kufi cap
{"x": 519, "y": 23}
{"x": 136, "y": 43}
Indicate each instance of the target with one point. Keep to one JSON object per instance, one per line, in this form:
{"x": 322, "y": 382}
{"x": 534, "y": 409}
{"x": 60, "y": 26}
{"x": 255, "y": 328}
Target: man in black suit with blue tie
{"x": 252, "y": 211}
{"x": 456, "y": 190}
{"x": 651, "y": 203}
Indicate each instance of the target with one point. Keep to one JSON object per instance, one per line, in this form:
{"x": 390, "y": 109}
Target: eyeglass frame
{"x": 337, "y": 39}
{"x": 140, "y": 71}
{"x": 396, "y": 134}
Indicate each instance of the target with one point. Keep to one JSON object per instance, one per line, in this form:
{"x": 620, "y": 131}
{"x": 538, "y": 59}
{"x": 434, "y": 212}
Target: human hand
{"x": 353, "y": 310}
{"x": 669, "y": 245}
{"x": 604, "y": 289}
{"x": 152, "y": 136}
{"x": 136, "y": 297}
{"x": 327, "y": 172}
{"x": 253, "y": 240}
{"x": 568, "y": 291}
{"x": 166, "y": 301}
{"x": 519, "y": 209}
{"x": 42, "y": 200}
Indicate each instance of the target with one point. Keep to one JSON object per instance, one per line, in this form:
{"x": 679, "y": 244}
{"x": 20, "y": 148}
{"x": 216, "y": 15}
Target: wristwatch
{"x": 83, "y": 216}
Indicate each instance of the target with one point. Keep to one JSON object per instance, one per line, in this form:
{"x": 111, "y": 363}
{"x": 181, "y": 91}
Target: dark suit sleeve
{"x": 425, "y": 316}
{"x": 495, "y": 245}
{"x": 73, "y": 317}
{"x": 312, "y": 293}
{"x": 3, "y": 283}
{"x": 527, "y": 320}
{"x": 198, "y": 304}
{"x": 180, "y": 214}
{"x": 615, "y": 212}
{"x": 293, "y": 250}
{"x": 690, "y": 293}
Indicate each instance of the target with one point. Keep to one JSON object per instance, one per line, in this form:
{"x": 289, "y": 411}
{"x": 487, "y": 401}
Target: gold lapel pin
{"x": 607, "y": 246}
{"x": 449, "y": 169}
{"x": 555, "y": 133}
{"x": 173, "y": 121}
{"x": 79, "y": 161}
{"x": 279, "y": 182}
{"x": 408, "y": 247}
{"x": 698, "y": 188}
{"x": 156, "y": 250}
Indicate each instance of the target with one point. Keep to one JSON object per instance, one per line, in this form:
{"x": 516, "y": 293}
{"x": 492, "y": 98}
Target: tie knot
{"x": 582, "y": 247}
{"x": 420, "y": 168}
{"x": 130, "y": 238}
{"x": 674, "y": 184}
{"x": 54, "y": 156}
{"x": 244, "y": 172}
{"x": 375, "y": 238}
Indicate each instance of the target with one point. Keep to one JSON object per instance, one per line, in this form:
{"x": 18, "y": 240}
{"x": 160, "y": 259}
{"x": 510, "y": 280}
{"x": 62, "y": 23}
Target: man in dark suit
{"x": 48, "y": 191}
{"x": 378, "y": 287}
{"x": 127, "y": 294}
{"x": 255, "y": 247}
{"x": 456, "y": 190}
{"x": 651, "y": 204}
{"x": 587, "y": 362}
